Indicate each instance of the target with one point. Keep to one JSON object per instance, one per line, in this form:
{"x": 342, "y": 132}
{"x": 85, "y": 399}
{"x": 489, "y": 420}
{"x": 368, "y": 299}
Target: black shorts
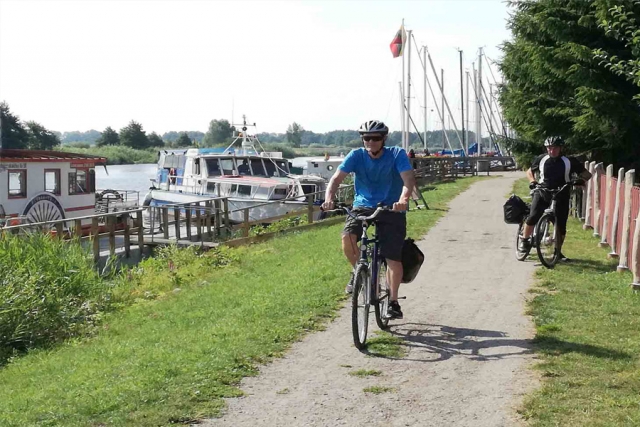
{"x": 391, "y": 231}
{"x": 539, "y": 203}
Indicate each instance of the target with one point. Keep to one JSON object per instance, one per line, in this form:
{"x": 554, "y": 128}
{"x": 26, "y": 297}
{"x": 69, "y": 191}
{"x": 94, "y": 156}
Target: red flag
{"x": 397, "y": 45}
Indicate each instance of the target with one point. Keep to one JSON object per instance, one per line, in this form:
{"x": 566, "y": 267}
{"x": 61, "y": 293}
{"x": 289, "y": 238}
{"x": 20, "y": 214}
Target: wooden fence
{"x": 430, "y": 169}
{"x": 610, "y": 206}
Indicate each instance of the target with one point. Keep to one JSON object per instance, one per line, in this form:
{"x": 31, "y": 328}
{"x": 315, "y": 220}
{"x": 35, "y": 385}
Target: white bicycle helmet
{"x": 373, "y": 126}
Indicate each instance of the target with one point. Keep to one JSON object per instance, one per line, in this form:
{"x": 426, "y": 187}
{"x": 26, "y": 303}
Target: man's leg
{"x": 350, "y": 247}
{"x": 391, "y": 232}
{"x": 394, "y": 278}
{"x": 562, "y": 214}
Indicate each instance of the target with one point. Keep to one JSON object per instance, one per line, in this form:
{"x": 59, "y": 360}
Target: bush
{"x": 49, "y": 291}
{"x": 118, "y": 154}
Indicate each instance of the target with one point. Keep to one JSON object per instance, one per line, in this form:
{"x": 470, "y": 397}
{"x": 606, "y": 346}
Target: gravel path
{"x": 464, "y": 327}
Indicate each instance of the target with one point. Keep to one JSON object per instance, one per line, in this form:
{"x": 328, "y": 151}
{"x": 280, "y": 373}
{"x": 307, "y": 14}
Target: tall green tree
{"x": 294, "y": 134}
{"x": 220, "y": 132}
{"x": 155, "y": 140}
{"x": 108, "y": 137}
{"x": 12, "y": 133}
{"x": 134, "y": 136}
{"x": 183, "y": 140}
{"x": 556, "y": 84}
{"x": 40, "y": 138}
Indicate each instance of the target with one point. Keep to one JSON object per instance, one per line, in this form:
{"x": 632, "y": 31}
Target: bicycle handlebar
{"x": 364, "y": 217}
{"x": 558, "y": 190}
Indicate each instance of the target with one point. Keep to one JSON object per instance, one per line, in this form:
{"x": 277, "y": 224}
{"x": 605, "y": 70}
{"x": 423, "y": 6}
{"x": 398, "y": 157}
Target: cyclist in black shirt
{"x": 554, "y": 171}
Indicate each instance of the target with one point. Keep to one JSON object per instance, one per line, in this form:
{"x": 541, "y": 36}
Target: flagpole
{"x": 407, "y": 128}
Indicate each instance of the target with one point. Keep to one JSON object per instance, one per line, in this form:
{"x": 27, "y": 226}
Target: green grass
{"x": 587, "y": 320}
{"x": 378, "y": 389}
{"x": 386, "y": 345}
{"x": 362, "y": 373}
{"x": 188, "y": 331}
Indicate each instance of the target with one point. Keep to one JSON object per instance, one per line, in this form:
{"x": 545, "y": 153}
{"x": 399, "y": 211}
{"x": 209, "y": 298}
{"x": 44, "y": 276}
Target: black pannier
{"x": 412, "y": 259}
{"x": 515, "y": 210}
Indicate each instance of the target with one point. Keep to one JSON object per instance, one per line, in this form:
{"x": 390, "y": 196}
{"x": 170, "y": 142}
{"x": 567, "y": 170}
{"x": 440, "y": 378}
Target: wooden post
{"x": 77, "y": 229}
{"x": 199, "y": 221}
{"x": 227, "y": 224}
{"x": 140, "y": 232}
{"x": 59, "y": 230}
{"x": 583, "y": 198}
{"x": 94, "y": 239}
{"x": 588, "y": 219}
{"x": 309, "y": 209}
{"x": 111, "y": 226}
{"x": 208, "y": 211}
{"x": 597, "y": 209}
{"x": 629, "y": 179}
{"x": 165, "y": 222}
{"x": 616, "y": 214}
{"x": 187, "y": 216}
{"x": 176, "y": 218}
{"x": 127, "y": 236}
{"x": 607, "y": 208}
{"x": 635, "y": 258}
{"x": 245, "y": 224}
{"x": 217, "y": 203}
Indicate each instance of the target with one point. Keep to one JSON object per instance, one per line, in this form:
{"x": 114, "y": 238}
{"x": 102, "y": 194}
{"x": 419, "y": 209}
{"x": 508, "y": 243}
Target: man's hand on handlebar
{"x": 400, "y": 206}
{"x": 327, "y": 205}
{"x": 533, "y": 185}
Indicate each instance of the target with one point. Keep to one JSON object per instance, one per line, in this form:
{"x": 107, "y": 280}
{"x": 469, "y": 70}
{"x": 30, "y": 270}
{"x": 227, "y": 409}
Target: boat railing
{"x": 112, "y": 200}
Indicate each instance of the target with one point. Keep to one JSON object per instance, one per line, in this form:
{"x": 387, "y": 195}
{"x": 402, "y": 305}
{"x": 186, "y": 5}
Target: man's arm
{"x": 409, "y": 183}
{"x": 332, "y": 187}
{"x": 530, "y": 176}
{"x": 585, "y": 174}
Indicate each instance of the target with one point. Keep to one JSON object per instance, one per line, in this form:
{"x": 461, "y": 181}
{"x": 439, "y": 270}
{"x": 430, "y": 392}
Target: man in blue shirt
{"x": 382, "y": 175}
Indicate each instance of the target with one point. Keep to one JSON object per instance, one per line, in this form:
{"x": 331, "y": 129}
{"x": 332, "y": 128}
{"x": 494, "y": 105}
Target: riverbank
{"x": 182, "y": 346}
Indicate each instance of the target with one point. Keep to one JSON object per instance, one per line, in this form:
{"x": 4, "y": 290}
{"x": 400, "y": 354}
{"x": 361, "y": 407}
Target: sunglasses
{"x": 372, "y": 138}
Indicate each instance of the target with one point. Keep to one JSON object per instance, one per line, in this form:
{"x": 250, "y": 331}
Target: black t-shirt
{"x": 553, "y": 170}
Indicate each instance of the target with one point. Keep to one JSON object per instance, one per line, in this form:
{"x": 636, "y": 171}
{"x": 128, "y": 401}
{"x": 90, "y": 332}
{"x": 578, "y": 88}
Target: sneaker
{"x": 394, "y": 311}
{"x": 525, "y": 244}
{"x": 563, "y": 258}
{"x": 349, "y": 288}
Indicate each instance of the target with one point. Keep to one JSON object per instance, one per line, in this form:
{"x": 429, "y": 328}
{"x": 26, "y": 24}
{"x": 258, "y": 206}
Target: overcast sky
{"x": 176, "y": 65}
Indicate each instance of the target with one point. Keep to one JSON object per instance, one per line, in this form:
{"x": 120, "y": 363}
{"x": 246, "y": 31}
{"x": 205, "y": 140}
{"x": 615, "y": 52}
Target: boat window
{"x": 52, "y": 181}
{"x": 211, "y": 187}
{"x": 78, "y": 182}
{"x": 227, "y": 166}
{"x": 271, "y": 168}
{"x": 283, "y": 167}
{"x": 257, "y": 167}
{"x": 234, "y": 188}
{"x": 262, "y": 192}
{"x": 17, "y": 183}
{"x": 92, "y": 180}
{"x": 243, "y": 167}
{"x": 213, "y": 168}
{"x": 308, "y": 188}
{"x": 244, "y": 190}
{"x": 196, "y": 163}
{"x": 279, "y": 193}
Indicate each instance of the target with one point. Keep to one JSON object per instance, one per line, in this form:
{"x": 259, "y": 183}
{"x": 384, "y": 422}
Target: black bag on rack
{"x": 412, "y": 259}
{"x": 515, "y": 210}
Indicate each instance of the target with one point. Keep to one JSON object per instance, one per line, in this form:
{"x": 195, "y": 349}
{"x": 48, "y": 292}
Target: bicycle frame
{"x": 365, "y": 243}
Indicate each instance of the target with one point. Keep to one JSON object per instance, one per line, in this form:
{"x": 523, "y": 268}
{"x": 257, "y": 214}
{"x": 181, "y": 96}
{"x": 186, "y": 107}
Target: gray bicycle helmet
{"x": 373, "y": 126}
{"x": 554, "y": 141}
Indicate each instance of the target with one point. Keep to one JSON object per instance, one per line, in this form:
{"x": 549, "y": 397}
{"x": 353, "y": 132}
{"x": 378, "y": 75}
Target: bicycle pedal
{"x": 402, "y": 297}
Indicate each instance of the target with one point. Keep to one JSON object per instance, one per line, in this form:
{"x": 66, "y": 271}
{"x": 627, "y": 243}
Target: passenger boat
{"x": 247, "y": 177}
{"x": 40, "y": 185}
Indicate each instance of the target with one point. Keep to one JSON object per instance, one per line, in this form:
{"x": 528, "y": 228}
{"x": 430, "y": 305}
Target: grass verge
{"x": 587, "y": 320}
{"x": 171, "y": 358}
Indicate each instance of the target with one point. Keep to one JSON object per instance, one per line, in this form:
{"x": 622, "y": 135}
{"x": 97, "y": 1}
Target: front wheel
{"x": 360, "y": 306}
{"x": 382, "y": 297}
{"x": 547, "y": 240}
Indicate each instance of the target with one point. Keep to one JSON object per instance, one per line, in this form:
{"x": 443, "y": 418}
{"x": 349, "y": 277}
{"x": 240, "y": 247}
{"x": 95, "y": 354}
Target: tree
{"x": 183, "y": 140}
{"x": 155, "y": 140}
{"x": 294, "y": 134}
{"x": 40, "y": 138}
{"x": 134, "y": 136}
{"x": 557, "y": 83}
{"x": 220, "y": 131}
{"x": 12, "y": 132}
{"x": 108, "y": 137}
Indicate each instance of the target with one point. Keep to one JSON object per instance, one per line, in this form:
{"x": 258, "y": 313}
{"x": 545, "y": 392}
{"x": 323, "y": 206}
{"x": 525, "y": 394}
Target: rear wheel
{"x": 360, "y": 306}
{"x": 382, "y": 297}
{"x": 546, "y": 241}
{"x": 521, "y": 255}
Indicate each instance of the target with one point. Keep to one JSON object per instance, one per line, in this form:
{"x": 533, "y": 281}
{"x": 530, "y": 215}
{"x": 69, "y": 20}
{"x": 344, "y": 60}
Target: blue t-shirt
{"x": 377, "y": 180}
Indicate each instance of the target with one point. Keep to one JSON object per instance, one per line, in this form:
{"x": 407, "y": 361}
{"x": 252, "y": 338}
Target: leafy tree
{"x": 12, "y": 132}
{"x": 557, "y": 83}
{"x": 183, "y": 140}
{"x": 220, "y": 131}
{"x": 294, "y": 134}
{"x": 134, "y": 136}
{"x": 155, "y": 140}
{"x": 89, "y": 136}
{"x": 40, "y": 138}
{"x": 108, "y": 137}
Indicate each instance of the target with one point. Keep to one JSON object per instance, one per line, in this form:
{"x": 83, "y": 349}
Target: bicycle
{"x": 370, "y": 285}
{"x": 544, "y": 237}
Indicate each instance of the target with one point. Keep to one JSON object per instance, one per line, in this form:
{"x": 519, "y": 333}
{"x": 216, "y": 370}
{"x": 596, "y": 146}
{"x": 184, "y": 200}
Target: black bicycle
{"x": 544, "y": 237}
{"x": 370, "y": 284}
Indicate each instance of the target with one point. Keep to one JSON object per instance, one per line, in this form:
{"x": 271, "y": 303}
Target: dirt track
{"x": 464, "y": 327}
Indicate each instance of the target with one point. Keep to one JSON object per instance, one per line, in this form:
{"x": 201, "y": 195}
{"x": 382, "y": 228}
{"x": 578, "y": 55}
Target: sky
{"x": 176, "y": 65}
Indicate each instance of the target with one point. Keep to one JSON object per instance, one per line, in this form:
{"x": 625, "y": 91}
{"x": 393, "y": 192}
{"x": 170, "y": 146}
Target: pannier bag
{"x": 412, "y": 259}
{"x": 515, "y": 210}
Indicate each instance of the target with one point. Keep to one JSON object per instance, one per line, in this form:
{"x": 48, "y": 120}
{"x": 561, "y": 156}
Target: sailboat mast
{"x": 464, "y": 145}
{"x": 444, "y": 132}
{"x": 424, "y": 63}
{"x": 402, "y": 120}
{"x": 407, "y": 128}
{"x": 480, "y": 97}
{"x": 468, "y": 114}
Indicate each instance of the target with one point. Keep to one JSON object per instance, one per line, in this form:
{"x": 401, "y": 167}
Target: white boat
{"x": 41, "y": 185}
{"x": 248, "y": 178}
{"x": 323, "y": 167}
